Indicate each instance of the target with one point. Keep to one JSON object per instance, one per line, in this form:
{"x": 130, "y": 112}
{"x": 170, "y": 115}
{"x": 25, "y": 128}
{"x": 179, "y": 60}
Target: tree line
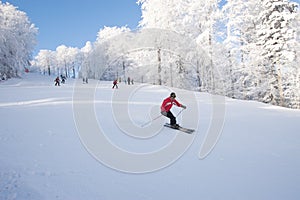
{"x": 240, "y": 49}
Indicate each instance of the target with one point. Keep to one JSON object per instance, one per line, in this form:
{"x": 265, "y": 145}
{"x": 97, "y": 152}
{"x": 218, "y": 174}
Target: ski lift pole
{"x": 151, "y": 121}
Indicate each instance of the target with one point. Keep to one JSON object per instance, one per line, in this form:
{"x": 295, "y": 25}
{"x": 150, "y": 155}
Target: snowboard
{"x": 186, "y": 130}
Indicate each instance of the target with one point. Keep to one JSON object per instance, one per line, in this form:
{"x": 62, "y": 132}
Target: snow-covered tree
{"x": 240, "y": 18}
{"x": 275, "y": 40}
{"x": 67, "y": 60}
{"x": 100, "y": 63}
{"x": 262, "y": 48}
{"x": 17, "y": 40}
{"x": 182, "y": 43}
{"x": 84, "y": 65}
{"x": 291, "y": 73}
{"x": 194, "y": 19}
{"x": 64, "y": 61}
{"x": 45, "y": 61}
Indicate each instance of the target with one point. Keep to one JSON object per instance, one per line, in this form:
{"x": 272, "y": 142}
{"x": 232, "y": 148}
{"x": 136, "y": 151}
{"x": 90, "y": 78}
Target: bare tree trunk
{"x": 212, "y": 78}
{"x": 280, "y": 88}
{"x": 198, "y": 75}
{"x": 231, "y": 92}
{"x": 243, "y": 86}
{"x": 159, "y": 67}
{"x": 49, "y": 71}
{"x": 274, "y": 86}
{"x": 171, "y": 74}
{"x": 73, "y": 70}
{"x": 66, "y": 70}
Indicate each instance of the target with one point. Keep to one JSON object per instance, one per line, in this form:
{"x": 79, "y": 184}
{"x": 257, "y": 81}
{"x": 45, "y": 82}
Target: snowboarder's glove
{"x": 183, "y": 106}
{"x": 164, "y": 113}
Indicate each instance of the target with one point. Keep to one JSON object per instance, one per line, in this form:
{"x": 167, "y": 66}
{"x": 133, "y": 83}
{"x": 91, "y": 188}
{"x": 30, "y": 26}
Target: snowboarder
{"x": 166, "y": 108}
{"x": 57, "y": 81}
{"x": 115, "y": 84}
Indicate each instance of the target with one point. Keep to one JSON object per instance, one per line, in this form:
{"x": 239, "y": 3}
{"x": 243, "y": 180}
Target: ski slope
{"x": 88, "y": 141}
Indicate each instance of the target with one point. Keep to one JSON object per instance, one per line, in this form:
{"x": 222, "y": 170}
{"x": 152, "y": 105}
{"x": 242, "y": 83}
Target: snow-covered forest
{"x": 244, "y": 49}
{"x": 17, "y": 41}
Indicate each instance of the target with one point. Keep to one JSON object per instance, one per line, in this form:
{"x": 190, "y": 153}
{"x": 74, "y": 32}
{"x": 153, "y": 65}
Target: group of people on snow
{"x": 58, "y": 80}
{"x": 129, "y": 81}
{"x": 165, "y": 107}
{"x": 116, "y": 81}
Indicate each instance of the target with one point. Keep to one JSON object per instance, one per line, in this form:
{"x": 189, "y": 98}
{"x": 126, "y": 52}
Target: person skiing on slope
{"x": 115, "y": 84}
{"x": 57, "y": 81}
{"x": 166, "y": 108}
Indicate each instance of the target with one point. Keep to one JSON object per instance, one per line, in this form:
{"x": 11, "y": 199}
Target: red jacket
{"x": 168, "y": 103}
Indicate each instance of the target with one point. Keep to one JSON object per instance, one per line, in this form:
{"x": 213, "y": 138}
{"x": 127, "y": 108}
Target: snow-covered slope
{"x": 46, "y": 154}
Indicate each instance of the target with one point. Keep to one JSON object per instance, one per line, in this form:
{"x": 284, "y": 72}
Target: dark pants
{"x": 115, "y": 85}
{"x": 172, "y": 118}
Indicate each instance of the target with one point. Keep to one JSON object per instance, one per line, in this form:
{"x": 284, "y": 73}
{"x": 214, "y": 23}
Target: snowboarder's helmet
{"x": 173, "y": 95}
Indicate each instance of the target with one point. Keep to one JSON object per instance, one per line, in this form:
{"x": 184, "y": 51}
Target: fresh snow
{"x": 43, "y": 156}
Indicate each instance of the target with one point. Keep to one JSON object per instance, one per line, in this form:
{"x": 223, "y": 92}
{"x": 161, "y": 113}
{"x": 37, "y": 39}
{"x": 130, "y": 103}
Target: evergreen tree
{"x": 240, "y": 18}
{"x": 274, "y": 36}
